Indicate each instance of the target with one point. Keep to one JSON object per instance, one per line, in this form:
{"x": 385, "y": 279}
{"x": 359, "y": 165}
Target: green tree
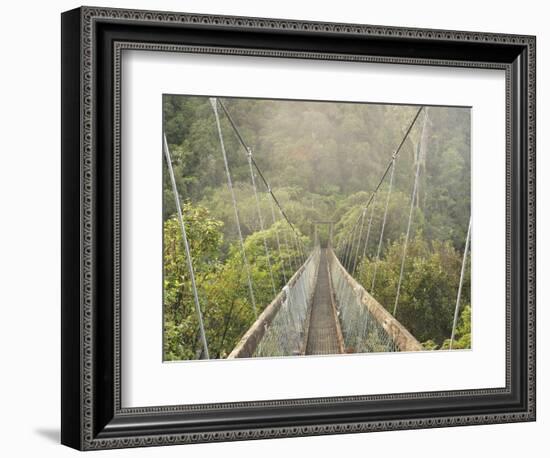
{"x": 428, "y": 289}
{"x": 323, "y": 160}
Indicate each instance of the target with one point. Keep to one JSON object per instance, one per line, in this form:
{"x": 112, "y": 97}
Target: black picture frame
{"x": 92, "y": 40}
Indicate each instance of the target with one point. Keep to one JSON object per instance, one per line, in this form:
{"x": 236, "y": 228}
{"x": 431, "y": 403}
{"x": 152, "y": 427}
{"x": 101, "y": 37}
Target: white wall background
{"x": 30, "y": 230}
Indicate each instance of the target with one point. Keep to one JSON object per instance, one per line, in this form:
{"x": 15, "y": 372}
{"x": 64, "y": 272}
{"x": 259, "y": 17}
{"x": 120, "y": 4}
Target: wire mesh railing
{"x": 366, "y": 325}
{"x": 280, "y": 329}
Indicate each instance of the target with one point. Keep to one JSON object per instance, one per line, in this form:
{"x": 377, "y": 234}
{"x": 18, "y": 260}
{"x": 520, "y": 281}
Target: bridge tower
{"x": 316, "y": 240}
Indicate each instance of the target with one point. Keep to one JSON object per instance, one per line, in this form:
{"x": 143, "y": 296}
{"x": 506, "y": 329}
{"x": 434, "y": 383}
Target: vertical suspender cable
{"x": 297, "y": 248}
{"x": 213, "y": 101}
{"x": 389, "y": 167}
{"x": 359, "y": 240}
{"x": 261, "y": 220}
{"x": 302, "y": 263}
{"x": 368, "y": 231}
{"x": 462, "y": 269}
{"x": 260, "y": 173}
{"x": 293, "y": 268}
{"x": 314, "y": 235}
{"x": 277, "y": 237}
{"x": 411, "y": 209}
{"x": 349, "y": 245}
{"x": 187, "y": 250}
{"x": 345, "y": 244}
{"x": 339, "y": 250}
{"x": 301, "y": 248}
{"x": 383, "y": 226}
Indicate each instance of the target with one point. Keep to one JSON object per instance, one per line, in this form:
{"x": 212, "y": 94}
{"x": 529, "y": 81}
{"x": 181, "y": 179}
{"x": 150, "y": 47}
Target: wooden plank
{"x": 403, "y": 339}
{"x": 248, "y": 343}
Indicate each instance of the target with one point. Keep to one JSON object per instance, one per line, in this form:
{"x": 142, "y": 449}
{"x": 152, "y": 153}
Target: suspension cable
{"x": 187, "y": 249}
{"x": 390, "y": 163}
{"x": 459, "y": 293}
{"x": 246, "y": 148}
{"x": 261, "y": 220}
{"x": 235, "y": 208}
{"x": 347, "y": 262}
{"x": 368, "y": 231}
{"x": 345, "y": 248}
{"x": 359, "y": 240}
{"x": 413, "y": 196}
{"x": 304, "y": 295}
{"x": 394, "y": 156}
{"x": 383, "y": 227}
{"x": 277, "y": 237}
{"x": 290, "y": 258}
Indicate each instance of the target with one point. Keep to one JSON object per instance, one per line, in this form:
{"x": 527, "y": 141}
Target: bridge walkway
{"x": 322, "y": 337}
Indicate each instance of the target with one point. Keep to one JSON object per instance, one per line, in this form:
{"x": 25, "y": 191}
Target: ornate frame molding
{"x": 83, "y": 23}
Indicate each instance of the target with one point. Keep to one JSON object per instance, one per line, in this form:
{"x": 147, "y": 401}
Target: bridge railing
{"x": 280, "y": 328}
{"x": 366, "y": 325}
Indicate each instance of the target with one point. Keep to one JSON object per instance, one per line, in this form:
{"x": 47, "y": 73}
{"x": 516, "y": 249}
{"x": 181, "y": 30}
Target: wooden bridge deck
{"x": 323, "y": 330}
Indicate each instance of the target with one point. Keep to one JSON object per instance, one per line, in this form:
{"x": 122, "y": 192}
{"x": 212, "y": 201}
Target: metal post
{"x": 236, "y": 210}
{"x": 462, "y": 269}
{"x": 187, "y": 250}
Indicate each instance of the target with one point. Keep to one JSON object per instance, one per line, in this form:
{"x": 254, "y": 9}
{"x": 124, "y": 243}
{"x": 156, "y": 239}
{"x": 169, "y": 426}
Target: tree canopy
{"x": 322, "y": 160}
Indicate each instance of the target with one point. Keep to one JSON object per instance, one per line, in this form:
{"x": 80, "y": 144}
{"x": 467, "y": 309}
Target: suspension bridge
{"x": 321, "y": 309}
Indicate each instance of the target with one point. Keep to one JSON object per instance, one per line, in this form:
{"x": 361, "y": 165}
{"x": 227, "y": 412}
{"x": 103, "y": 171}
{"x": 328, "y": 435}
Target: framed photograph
{"x": 277, "y": 228}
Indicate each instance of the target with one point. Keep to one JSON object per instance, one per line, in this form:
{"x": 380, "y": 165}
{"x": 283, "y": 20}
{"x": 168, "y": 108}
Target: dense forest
{"x": 322, "y": 160}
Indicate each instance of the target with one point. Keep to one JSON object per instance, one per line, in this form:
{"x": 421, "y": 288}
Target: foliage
{"x": 429, "y": 285}
{"x": 222, "y": 286}
{"x": 463, "y": 335}
{"x": 323, "y": 160}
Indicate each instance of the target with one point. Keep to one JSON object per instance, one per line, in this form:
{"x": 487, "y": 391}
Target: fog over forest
{"x": 323, "y": 160}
